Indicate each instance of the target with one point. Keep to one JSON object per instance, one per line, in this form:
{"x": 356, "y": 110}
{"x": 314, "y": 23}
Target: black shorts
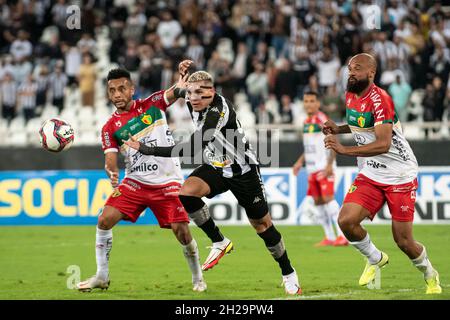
{"x": 247, "y": 188}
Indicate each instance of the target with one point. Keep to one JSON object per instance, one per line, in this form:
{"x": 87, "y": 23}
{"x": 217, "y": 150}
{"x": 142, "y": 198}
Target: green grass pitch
{"x": 147, "y": 263}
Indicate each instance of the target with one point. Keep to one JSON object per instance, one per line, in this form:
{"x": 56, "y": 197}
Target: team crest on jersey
{"x": 147, "y": 119}
{"x": 352, "y": 188}
{"x": 361, "y": 121}
{"x": 116, "y": 193}
{"x": 311, "y": 128}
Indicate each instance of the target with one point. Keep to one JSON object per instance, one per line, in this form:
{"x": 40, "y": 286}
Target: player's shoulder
{"x": 376, "y": 90}
{"x": 378, "y": 94}
{"x": 107, "y": 125}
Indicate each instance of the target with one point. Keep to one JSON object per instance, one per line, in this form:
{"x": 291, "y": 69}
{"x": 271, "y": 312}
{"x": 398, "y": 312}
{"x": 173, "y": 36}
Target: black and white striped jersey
{"x": 218, "y": 141}
{"x": 224, "y": 144}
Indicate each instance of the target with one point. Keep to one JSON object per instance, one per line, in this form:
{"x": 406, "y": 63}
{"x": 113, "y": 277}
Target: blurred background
{"x": 262, "y": 54}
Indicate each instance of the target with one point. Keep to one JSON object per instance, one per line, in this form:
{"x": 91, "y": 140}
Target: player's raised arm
{"x": 178, "y": 90}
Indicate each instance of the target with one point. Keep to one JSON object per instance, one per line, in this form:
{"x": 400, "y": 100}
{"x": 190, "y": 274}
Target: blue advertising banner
{"x": 77, "y": 197}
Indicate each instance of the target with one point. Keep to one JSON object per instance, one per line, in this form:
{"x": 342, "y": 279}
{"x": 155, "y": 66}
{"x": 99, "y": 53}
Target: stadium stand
{"x": 291, "y": 45}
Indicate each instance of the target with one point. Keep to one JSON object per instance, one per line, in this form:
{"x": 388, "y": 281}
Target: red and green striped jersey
{"x": 146, "y": 122}
{"x": 399, "y": 164}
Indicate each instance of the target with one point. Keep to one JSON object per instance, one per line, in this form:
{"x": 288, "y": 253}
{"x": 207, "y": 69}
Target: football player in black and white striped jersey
{"x": 228, "y": 163}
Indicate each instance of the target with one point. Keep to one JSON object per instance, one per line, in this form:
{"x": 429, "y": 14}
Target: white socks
{"x": 193, "y": 259}
{"x": 332, "y": 209}
{"x": 325, "y": 221}
{"x": 103, "y": 245}
{"x": 368, "y": 249}
{"x": 423, "y": 264}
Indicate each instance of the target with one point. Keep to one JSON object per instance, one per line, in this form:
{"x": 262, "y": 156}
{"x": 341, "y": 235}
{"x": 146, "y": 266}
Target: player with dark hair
{"x": 149, "y": 181}
{"x": 320, "y": 164}
{"x": 229, "y": 163}
{"x": 387, "y": 172}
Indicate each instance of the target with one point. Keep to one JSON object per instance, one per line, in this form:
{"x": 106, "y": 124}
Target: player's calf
{"x": 275, "y": 244}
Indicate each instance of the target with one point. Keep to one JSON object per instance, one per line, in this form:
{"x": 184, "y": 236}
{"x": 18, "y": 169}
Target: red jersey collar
{"x": 367, "y": 94}
{"x": 116, "y": 114}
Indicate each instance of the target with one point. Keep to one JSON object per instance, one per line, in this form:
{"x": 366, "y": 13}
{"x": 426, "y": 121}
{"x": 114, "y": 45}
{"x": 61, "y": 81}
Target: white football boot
{"x": 291, "y": 285}
{"x": 92, "y": 283}
{"x": 218, "y": 250}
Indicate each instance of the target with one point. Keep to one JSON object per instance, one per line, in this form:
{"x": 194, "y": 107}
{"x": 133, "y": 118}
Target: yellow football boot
{"x": 370, "y": 270}
{"x": 433, "y": 284}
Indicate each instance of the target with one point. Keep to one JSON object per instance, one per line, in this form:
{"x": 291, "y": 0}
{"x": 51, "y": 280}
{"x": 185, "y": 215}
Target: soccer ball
{"x": 56, "y": 135}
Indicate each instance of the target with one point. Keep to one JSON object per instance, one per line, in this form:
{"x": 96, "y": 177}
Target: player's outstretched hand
{"x": 132, "y": 143}
{"x": 184, "y": 66}
{"x": 329, "y": 127}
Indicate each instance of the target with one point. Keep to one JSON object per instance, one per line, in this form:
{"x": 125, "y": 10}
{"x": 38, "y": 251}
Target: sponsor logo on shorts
{"x": 404, "y": 208}
{"x": 116, "y": 193}
{"x": 133, "y": 186}
{"x": 352, "y": 188}
{"x": 257, "y": 199}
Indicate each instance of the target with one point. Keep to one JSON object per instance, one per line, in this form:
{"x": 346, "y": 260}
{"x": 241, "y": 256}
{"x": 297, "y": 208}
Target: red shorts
{"x": 131, "y": 198}
{"x": 372, "y": 196}
{"x": 319, "y": 185}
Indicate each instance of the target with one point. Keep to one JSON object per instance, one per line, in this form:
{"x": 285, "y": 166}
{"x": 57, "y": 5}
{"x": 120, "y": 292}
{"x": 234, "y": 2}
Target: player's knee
{"x": 193, "y": 189}
{"x": 262, "y": 224}
{"x": 346, "y": 222}
{"x": 104, "y": 222}
{"x": 181, "y": 232}
{"x": 191, "y": 203}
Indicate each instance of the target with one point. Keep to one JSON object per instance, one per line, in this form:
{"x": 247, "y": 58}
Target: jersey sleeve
{"x": 157, "y": 99}
{"x": 383, "y": 110}
{"x": 322, "y": 117}
{"x": 109, "y": 143}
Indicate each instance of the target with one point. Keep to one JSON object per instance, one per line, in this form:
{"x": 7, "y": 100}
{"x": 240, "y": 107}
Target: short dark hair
{"x": 312, "y": 93}
{"x": 118, "y": 73}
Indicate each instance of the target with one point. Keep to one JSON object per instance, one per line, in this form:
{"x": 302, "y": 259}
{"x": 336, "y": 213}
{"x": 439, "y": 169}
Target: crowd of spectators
{"x": 269, "y": 50}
